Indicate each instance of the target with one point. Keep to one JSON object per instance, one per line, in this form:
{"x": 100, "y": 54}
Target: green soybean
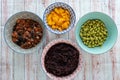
{"x": 93, "y": 33}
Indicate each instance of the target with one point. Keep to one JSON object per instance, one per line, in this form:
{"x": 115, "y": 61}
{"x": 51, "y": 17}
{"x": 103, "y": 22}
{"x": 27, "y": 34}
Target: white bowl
{"x": 65, "y": 6}
{"x": 9, "y": 28}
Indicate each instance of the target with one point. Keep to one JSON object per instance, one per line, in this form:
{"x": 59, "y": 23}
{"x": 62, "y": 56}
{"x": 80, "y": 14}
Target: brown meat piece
{"x": 27, "y": 33}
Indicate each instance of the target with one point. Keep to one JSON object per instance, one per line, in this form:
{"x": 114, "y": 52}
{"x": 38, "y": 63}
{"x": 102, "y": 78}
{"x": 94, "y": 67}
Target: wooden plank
{"x": 115, "y": 58}
{"x": 18, "y": 68}
{"x": 0, "y": 12}
{"x": 31, "y": 63}
{"x": 7, "y": 10}
{"x": 74, "y": 5}
{"x": 30, "y": 5}
{"x": 6, "y": 60}
{"x": 6, "y": 53}
{"x": 110, "y": 65}
{"x": 19, "y": 59}
{"x": 40, "y": 8}
{"x": 0, "y": 39}
{"x": 117, "y": 50}
{"x": 117, "y": 9}
{"x": 0, "y": 54}
{"x": 114, "y": 55}
{"x": 113, "y": 64}
{"x": 102, "y": 64}
{"x": 40, "y": 73}
{"x": 18, "y": 6}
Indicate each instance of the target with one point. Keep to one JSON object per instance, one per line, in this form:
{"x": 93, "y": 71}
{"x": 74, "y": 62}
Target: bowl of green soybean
{"x": 96, "y": 33}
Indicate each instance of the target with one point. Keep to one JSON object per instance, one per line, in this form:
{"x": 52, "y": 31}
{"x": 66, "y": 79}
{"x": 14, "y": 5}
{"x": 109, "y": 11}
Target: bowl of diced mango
{"x": 59, "y": 18}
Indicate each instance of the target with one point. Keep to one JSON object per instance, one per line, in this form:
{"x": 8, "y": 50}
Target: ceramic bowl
{"x": 80, "y": 64}
{"x": 112, "y": 32}
{"x": 8, "y": 28}
{"x": 65, "y": 6}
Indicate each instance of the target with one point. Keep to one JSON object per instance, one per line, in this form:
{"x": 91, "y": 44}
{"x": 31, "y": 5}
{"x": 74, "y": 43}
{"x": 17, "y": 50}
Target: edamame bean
{"x": 93, "y": 33}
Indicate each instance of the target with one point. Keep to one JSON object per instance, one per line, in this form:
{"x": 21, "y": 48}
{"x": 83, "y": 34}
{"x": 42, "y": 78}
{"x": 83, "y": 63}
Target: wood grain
{"x": 0, "y": 40}
{"x": 15, "y": 66}
{"x": 6, "y": 53}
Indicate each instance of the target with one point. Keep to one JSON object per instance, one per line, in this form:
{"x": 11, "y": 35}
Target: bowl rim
{"x": 64, "y": 31}
{"x": 80, "y": 64}
{"x": 19, "y": 52}
{"x": 91, "y": 52}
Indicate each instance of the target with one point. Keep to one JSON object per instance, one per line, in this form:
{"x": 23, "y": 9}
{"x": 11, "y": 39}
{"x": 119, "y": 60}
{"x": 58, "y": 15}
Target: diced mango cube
{"x": 59, "y": 19}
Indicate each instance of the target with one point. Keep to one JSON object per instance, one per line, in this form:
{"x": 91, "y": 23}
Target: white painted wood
{"x": 0, "y": 13}
{"x": 6, "y": 60}
{"x": 18, "y": 67}
{"x": 15, "y": 66}
{"x": 0, "y": 41}
{"x": 6, "y": 53}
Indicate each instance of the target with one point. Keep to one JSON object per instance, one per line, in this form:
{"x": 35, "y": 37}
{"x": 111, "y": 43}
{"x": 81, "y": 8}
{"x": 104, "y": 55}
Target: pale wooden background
{"x": 15, "y": 66}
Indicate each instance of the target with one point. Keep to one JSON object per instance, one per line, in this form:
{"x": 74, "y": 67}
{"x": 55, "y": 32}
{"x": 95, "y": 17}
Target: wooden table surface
{"x": 15, "y": 66}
